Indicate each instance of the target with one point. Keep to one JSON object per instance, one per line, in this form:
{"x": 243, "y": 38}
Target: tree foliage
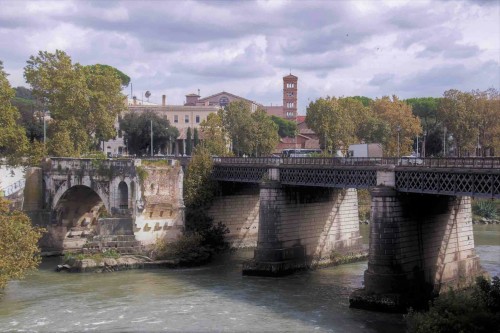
{"x": 198, "y": 184}
{"x": 189, "y": 142}
{"x": 18, "y": 244}
{"x": 403, "y": 125}
{"x": 336, "y": 121}
{"x": 83, "y": 101}
{"x": 286, "y": 128}
{"x": 136, "y": 129}
{"x": 215, "y": 135}
{"x": 124, "y": 78}
{"x": 13, "y": 141}
{"x": 251, "y": 134}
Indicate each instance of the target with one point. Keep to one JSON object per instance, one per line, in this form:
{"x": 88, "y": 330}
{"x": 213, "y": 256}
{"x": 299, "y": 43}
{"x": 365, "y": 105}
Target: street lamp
{"x": 399, "y": 130}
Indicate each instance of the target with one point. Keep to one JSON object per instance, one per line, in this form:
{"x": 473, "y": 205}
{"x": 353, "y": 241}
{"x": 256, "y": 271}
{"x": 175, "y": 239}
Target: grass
{"x": 97, "y": 257}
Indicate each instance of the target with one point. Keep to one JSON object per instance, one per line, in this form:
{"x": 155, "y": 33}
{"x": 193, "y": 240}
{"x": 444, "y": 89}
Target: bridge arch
{"x": 78, "y": 206}
{"x": 123, "y": 195}
{"x": 66, "y": 185}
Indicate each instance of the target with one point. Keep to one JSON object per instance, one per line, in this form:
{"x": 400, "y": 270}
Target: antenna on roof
{"x": 147, "y": 94}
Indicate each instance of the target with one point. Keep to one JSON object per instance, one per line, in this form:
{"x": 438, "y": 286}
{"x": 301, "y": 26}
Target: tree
{"x": 215, "y": 135}
{"x": 336, "y": 121}
{"x": 265, "y": 133}
{"x": 426, "y": 109}
{"x": 83, "y": 101}
{"x": 136, "y": 129}
{"x": 404, "y": 126}
{"x": 124, "y": 78}
{"x": 196, "y": 138}
{"x": 237, "y": 121}
{"x": 457, "y": 110}
{"x": 286, "y": 128}
{"x": 488, "y": 109}
{"x": 189, "y": 142}
{"x": 366, "y": 101}
{"x": 13, "y": 141}
{"x": 18, "y": 244}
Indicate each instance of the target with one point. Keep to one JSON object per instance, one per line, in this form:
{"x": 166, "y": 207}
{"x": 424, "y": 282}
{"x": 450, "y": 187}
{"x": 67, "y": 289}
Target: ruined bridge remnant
{"x": 95, "y": 204}
{"x": 421, "y": 239}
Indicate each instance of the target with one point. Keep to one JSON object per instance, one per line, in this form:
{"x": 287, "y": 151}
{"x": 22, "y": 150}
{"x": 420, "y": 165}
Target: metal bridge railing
{"x": 458, "y": 162}
{"x": 13, "y": 188}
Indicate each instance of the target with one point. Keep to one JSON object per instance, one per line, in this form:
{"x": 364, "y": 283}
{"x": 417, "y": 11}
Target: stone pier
{"x": 303, "y": 227}
{"x": 420, "y": 245}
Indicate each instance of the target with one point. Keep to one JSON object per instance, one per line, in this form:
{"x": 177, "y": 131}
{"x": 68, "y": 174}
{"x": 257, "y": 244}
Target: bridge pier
{"x": 304, "y": 227}
{"x": 420, "y": 245}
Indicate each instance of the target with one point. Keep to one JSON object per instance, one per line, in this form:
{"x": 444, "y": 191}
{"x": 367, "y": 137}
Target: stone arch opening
{"x": 76, "y": 215}
{"x": 123, "y": 195}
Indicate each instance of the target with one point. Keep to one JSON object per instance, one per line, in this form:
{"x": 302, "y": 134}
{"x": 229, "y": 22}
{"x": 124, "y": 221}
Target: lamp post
{"x": 399, "y": 130}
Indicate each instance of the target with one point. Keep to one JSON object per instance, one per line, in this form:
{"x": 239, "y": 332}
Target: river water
{"x": 214, "y": 298}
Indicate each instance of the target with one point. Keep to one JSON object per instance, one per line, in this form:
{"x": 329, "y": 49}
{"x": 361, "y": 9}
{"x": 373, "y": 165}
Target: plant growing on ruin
{"x": 18, "y": 244}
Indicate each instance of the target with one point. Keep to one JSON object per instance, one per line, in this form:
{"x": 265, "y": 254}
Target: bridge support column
{"x": 304, "y": 227}
{"x": 271, "y": 258}
{"x": 419, "y": 245}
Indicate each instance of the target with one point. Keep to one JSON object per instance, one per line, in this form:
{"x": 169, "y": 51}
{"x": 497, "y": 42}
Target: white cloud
{"x": 335, "y": 47}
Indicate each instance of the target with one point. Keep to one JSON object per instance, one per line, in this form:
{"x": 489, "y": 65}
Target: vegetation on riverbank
{"x": 97, "y": 256}
{"x": 473, "y": 310}
{"x": 202, "y": 238}
{"x": 19, "y": 252}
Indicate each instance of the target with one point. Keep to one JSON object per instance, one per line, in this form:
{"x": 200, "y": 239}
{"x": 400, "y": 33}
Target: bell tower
{"x": 290, "y": 97}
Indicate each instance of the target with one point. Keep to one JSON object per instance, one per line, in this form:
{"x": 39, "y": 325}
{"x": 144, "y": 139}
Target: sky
{"x": 336, "y": 48}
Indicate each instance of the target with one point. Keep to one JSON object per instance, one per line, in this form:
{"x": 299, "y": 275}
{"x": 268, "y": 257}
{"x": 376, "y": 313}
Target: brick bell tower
{"x": 290, "y": 97}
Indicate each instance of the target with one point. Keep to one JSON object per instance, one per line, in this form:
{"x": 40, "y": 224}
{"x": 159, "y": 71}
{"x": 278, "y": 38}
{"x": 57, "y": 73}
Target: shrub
{"x": 473, "y": 310}
{"x": 485, "y": 208}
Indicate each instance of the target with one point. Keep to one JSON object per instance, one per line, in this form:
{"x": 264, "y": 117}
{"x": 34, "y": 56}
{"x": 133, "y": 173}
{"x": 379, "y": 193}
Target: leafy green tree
{"x": 238, "y": 123}
{"x": 136, "y": 129}
{"x": 265, "y": 133}
{"x": 13, "y": 141}
{"x": 18, "y": 244}
{"x": 336, "y": 121}
{"x": 83, "y": 101}
{"x": 215, "y": 135}
{"x": 286, "y": 128}
{"x": 458, "y": 112}
{"x": 196, "y": 138}
{"x": 124, "y": 78}
{"x": 404, "y": 126}
{"x": 366, "y": 101}
{"x": 189, "y": 142}
{"x": 488, "y": 109}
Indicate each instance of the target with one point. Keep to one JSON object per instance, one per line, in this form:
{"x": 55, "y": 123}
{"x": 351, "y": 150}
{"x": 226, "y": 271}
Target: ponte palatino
{"x": 298, "y": 213}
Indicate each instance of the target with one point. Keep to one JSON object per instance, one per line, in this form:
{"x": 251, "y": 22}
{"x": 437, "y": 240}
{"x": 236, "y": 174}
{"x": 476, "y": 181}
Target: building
{"x": 290, "y": 97}
{"x": 197, "y": 109}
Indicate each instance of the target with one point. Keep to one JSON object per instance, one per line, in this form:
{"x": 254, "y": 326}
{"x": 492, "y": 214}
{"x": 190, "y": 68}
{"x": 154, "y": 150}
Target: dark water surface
{"x": 215, "y": 298}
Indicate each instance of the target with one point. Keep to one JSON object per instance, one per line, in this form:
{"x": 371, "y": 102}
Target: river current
{"x": 213, "y": 298}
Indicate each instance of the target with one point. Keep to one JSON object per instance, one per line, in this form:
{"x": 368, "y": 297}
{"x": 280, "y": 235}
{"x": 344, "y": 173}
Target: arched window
{"x": 123, "y": 195}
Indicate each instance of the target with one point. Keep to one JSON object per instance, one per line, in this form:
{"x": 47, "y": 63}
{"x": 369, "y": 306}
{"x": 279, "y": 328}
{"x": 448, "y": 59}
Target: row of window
{"x": 290, "y": 85}
{"x": 186, "y": 119}
{"x": 290, "y": 105}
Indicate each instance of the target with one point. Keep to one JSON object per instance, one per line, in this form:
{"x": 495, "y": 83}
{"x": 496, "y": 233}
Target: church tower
{"x": 290, "y": 97}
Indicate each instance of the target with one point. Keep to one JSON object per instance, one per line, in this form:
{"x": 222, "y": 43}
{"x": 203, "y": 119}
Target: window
{"x": 197, "y": 119}
{"x": 186, "y": 118}
{"x": 289, "y": 94}
{"x": 289, "y": 105}
{"x": 223, "y": 101}
{"x": 289, "y": 114}
{"x": 176, "y": 118}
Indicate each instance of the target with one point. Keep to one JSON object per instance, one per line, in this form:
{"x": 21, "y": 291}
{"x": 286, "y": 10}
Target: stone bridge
{"x": 302, "y": 212}
{"x": 94, "y": 204}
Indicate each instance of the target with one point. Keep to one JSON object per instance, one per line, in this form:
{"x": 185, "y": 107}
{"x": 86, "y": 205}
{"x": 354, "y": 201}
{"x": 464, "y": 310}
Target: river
{"x": 214, "y": 298}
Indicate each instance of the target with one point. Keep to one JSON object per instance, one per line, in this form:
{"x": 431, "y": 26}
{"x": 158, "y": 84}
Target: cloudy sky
{"x": 338, "y": 48}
